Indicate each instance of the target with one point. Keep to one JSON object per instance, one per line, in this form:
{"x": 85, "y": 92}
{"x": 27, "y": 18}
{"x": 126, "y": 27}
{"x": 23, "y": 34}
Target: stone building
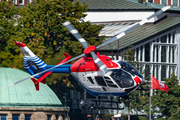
{"x": 23, "y": 102}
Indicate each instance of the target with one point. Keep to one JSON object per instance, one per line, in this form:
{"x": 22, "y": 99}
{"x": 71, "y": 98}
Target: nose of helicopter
{"x": 137, "y": 80}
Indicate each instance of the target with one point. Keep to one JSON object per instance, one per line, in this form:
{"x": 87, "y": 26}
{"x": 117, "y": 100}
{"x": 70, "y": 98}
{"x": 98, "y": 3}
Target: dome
{"x": 24, "y": 94}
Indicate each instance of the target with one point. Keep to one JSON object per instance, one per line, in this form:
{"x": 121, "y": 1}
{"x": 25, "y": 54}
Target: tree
{"x": 167, "y": 105}
{"x": 8, "y": 28}
{"x": 43, "y": 32}
{"x": 39, "y": 26}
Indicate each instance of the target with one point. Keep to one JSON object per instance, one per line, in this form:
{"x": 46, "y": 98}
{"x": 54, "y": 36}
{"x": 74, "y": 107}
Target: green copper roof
{"x": 115, "y": 5}
{"x": 143, "y": 33}
{"x": 24, "y": 93}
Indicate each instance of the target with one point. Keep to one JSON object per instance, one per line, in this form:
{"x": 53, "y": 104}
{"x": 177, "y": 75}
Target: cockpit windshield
{"x": 122, "y": 78}
{"x": 129, "y": 68}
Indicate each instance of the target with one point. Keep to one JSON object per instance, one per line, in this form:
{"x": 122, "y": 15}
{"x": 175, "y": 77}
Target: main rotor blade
{"x": 79, "y": 56}
{"x": 100, "y": 64}
{"x": 75, "y": 33}
{"x": 136, "y": 25}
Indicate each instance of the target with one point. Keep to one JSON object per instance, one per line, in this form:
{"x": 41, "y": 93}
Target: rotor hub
{"x": 89, "y": 49}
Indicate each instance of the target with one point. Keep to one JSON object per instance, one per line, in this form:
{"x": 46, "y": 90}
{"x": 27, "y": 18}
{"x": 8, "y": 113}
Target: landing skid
{"x": 96, "y": 104}
{"x": 142, "y": 88}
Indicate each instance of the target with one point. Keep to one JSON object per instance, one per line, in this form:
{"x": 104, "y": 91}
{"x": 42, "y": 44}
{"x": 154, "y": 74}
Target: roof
{"x": 115, "y": 5}
{"x": 143, "y": 33}
{"x": 24, "y": 93}
{"x": 113, "y": 29}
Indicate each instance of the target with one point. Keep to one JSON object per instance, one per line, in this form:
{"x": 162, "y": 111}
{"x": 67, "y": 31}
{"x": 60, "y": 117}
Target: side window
{"x": 90, "y": 79}
{"x": 100, "y": 81}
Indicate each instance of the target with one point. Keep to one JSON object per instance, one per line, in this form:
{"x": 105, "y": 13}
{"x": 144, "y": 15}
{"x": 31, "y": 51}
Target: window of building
{"x": 15, "y": 117}
{"x": 163, "y": 72}
{"x": 164, "y": 2}
{"x": 169, "y": 38}
{"x": 157, "y": 53}
{"x": 175, "y": 3}
{"x": 163, "y": 54}
{"x": 3, "y": 117}
{"x": 173, "y": 39}
{"x": 170, "y": 53}
{"x": 154, "y": 50}
{"x": 147, "y": 52}
{"x": 20, "y": 1}
{"x": 48, "y": 117}
{"x": 173, "y": 54}
{"x": 154, "y": 71}
{"x": 27, "y": 117}
{"x": 151, "y": 1}
{"x": 164, "y": 39}
{"x": 141, "y": 53}
{"x": 137, "y": 53}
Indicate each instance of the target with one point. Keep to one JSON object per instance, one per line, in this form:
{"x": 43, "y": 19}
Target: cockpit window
{"x": 122, "y": 78}
{"x": 109, "y": 82}
{"x": 129, "y": 68}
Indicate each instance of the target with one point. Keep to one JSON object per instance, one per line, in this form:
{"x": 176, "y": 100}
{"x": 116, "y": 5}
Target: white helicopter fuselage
{"x": 113, "y": 83}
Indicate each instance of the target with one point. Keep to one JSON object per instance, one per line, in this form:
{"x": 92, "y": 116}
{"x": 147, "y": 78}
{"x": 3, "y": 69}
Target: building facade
{"x": 174, "y": 3}
{"x": 19, "y": 2}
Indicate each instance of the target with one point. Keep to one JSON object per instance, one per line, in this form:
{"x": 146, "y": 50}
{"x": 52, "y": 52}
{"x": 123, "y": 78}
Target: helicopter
{"x": 98, "y": 74}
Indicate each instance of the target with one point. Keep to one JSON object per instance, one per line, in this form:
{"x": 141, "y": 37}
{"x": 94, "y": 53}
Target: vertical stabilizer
{"x": 25, "y": 50}
{"x": 32, "y": 63}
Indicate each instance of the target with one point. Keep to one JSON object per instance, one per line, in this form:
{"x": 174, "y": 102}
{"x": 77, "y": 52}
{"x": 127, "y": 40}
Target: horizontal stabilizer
{"x": 43, "y": 81}
{"x": 42, "y": 78}
{"x": 65, "y": 59}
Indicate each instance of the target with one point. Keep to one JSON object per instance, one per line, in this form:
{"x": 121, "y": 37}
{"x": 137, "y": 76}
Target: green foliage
{"x": 42, "y": 24}
{"x": 39, "y": 26}
{"x": 168, "y": 104}
{"x": 9, "y": 56}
